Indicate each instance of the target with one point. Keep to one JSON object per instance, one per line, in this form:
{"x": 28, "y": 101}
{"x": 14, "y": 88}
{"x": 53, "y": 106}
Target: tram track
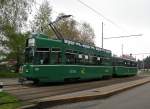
{"x": 30, "y": 93}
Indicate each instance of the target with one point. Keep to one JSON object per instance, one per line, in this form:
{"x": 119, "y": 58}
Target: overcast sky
{"x": 130, "y": 16}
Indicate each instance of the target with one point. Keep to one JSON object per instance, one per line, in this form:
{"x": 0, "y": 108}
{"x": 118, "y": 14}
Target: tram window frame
{"x": 43, "y": 55}
{"x": 55, "y": 49}
{"x": 135, "y": 64}
{"x": 86, "y": 59}
{"x": 29, "y": 55}
{"x": 92, "y": 59}
{"x": 56, "y": 53}
{"x": 106, "y": 61}
{"x": 80, "y": 58}
{"x": 125, "y": 63}
{"x": 71, "y": 57}
{"x": 99, "y": 60}
{"x": 121, "y": 62}
{"x": 128, "y": 64}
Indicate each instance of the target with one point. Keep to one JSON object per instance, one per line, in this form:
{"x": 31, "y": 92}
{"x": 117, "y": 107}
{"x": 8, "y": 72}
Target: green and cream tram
{"x": 49, "y": 60}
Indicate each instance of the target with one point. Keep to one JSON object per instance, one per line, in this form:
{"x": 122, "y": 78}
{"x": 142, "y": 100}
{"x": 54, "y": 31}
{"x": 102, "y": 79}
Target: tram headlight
{"x": 31, "y": 42}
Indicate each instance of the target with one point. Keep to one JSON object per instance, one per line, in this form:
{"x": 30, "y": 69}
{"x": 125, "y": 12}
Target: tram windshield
{"x": 29, "y": 54}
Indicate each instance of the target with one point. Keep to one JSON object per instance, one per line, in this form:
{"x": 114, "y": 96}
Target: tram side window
{"x": 92, "y": 60}
{"x": 99, "y": 60}
{"x": 86, "y": 59}
{"x": 106, "y": 61}
{"x": 42, "y": 56}
{"x": 134, "y": 64}
{"x": 131, "y": 64}
{"x": 119, "y": 62}
{"x": 128, "y": 63}
{"x": 125, "y": 63}
{"x": 70, "y": 57}
{"x": 80, "y": 59}
{"x": 56, "y": 57}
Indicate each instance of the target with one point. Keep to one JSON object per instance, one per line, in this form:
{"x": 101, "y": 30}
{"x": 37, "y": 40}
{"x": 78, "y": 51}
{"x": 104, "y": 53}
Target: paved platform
{"x": 89, "y": 94}
{"x": 135, "y": 98}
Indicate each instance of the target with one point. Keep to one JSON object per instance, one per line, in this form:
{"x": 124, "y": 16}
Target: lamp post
{"x": 102, "y": 36}
{"x": 122, "y": 48}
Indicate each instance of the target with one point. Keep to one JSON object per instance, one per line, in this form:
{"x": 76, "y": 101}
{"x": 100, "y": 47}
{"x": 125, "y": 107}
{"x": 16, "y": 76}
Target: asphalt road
{"x": 136, "y": 98}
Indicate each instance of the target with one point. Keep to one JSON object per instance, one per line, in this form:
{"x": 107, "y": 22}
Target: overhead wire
{"x": 123, "y": 36}
{"x": 141, "y": 54}
{"x": 100, "y": 14}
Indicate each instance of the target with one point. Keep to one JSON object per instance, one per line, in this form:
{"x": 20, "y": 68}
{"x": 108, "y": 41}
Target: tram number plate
{"x": 72, "y": 71}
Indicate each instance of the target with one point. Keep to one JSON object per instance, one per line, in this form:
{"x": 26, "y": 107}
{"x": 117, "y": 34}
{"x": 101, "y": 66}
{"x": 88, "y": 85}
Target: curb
{"x": 92, "y": 94}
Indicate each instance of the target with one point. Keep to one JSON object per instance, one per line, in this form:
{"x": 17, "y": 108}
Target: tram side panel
{"x": 122, "y": 67}
{"x": 60, "y": 73}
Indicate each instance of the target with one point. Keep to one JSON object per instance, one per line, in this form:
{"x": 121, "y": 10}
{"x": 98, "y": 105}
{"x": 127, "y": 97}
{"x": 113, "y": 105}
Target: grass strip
{"x": 9, "y": 75}
{"x": 8, "y": 101}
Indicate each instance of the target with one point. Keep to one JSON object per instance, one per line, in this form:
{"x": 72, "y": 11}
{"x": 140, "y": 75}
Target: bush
{"x": 8, "y": 74}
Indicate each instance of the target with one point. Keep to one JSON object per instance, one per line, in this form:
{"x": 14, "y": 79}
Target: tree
{"x": 15, "y": 12}
{"x": 14, "y": 44}
{"x": 13, "y": 16}
{"x": 42, "y": 19}
{"x": 147, "y": 62}
{"x": 68, "y": 28}
{"x": 139, "y": 64}
{"x": 86, "y": 34}
{"x": 74, "y": 31}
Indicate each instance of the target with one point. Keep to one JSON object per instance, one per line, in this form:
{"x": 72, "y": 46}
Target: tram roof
{"x": 44, "y": 40}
